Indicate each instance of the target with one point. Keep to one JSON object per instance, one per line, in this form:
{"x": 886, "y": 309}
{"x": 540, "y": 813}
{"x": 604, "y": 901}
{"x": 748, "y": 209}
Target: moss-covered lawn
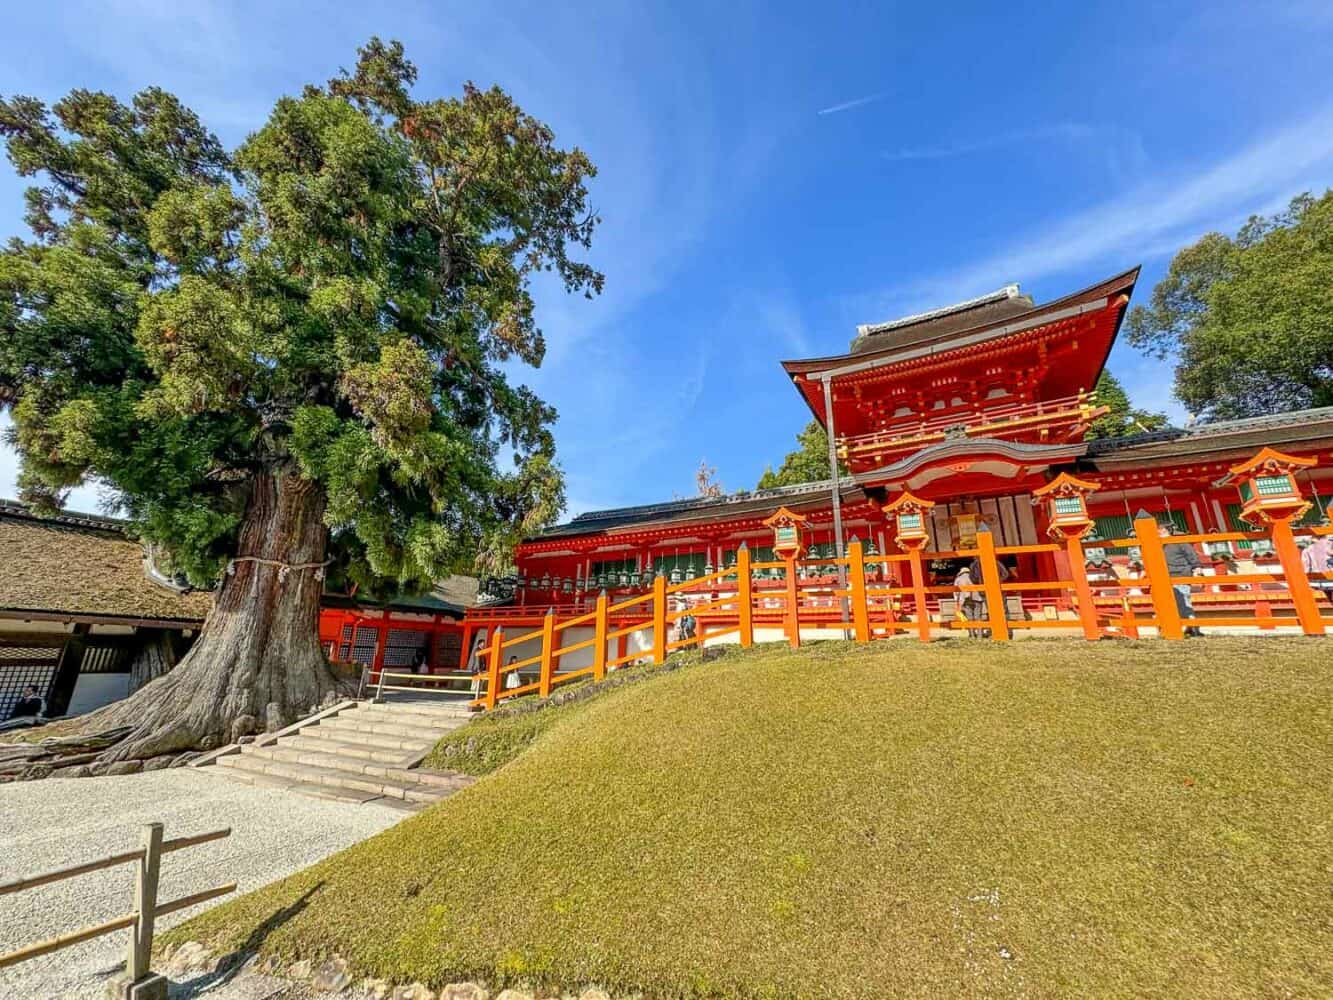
{"x": 1043, "y": 819}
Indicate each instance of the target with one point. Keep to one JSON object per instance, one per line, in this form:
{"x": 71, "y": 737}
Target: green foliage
{"x": 807, "y": 464}
{"x": 338, "y": 297}
{"x": 844, "y": 821}
{"x": 1124, "y": 419}
{"x": 1249, "y": 320}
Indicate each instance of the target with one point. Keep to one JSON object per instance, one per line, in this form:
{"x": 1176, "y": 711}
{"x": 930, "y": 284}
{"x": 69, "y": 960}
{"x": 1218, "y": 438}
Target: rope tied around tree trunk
{"x": 283, "y": 567}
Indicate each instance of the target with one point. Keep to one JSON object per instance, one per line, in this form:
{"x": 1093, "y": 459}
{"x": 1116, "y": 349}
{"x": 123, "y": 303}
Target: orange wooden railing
{"x": 862, "y": 597}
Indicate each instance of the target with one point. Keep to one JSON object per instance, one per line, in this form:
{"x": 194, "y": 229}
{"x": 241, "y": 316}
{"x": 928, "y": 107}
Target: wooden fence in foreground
{"x": 139, "y": 983}
{"x": 864, "y": 598}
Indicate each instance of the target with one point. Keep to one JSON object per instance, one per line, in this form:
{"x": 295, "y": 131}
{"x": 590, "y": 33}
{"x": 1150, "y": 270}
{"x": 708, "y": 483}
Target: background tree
{"x": 1249, "y": 320}
{"x": 1125, "y": 419}
{"x": 807, "y": 464}
{"x": 705, "y": 480}
{"x": 287, "y": 357}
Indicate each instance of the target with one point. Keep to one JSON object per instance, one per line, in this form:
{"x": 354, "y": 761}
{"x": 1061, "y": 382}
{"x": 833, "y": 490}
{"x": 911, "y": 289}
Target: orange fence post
{"x": 793, "y": 619}
{"x": 599, "y": 639}
{"x": 1153, "y": 556}
{"x": 919, "y": 593}
{"x": 493, "y": 674}
{"x": 1298, "y": 584}
{"x": 659, "y": 618}
{"x": 856, "y": 580}
{"x": 466, "y": 651}
{"x": 744, "y": 597}
{"x": 548, "y": 647}
{"x": 990, "y": 580}
{"x": 1087, "y": 610}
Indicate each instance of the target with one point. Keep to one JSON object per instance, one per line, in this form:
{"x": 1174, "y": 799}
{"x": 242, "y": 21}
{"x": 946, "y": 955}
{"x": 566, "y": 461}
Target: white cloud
{"x": 1153, "y": 218}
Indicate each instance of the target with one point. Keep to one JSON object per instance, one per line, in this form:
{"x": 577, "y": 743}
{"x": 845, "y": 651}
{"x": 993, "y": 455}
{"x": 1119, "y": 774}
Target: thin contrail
{"x": 848, "y": 105}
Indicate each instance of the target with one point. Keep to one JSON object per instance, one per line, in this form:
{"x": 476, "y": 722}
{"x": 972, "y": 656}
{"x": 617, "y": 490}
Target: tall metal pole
{"x": 837, "y": 492}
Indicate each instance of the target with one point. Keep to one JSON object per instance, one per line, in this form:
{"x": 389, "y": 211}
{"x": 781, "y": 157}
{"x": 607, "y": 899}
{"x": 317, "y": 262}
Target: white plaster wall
{"x": 95, "y": 690}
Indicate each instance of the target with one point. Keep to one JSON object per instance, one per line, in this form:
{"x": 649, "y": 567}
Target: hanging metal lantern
{"x": 546, "y": 581}
{"x": 871, "y": 550}
{"x": 634, "y": 578}
{"x": 520, "y": 581}
{"x": 579, "y": 586}
{"x": 731, "y": 560}
{"x": 624, "y": 578}
{"x": 708, "y": 568}
{"x": 690, "y": 574}
{"x": 675, "y": 573}
{"x": 567, "y": 586}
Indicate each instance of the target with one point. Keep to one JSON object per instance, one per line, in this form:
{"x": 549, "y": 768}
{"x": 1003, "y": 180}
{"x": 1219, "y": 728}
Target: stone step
{"x": 348, "y": 735}
{"x": 404, "y": 717}
{"x": 335, "y": 777}
{"x": 349, "y": 795}
{"x": 448, "y": 709}
{"x": 327, "y": 744}
{"x": 324, "y": 758}
{"x": 351, "y": 722}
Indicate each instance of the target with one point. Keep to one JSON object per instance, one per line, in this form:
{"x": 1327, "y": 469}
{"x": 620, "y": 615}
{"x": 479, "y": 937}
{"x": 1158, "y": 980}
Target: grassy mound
{"x": 1046, "y": 818}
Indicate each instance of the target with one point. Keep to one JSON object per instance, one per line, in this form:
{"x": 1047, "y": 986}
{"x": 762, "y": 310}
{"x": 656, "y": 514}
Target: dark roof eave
{"x": 97, "y": 618}
{"x": 1123, "y": 282}
{"x": 759, "y": 502}
{"x": 1296, "y": 426}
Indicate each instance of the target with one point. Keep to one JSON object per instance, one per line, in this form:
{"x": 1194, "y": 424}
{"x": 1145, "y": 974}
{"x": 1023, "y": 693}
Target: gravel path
{"x": 57, "y": 822}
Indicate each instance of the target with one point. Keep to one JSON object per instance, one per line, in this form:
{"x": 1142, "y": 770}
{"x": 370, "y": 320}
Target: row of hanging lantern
{"x": 627, "y": 578}
{"x": 623, "y": 579}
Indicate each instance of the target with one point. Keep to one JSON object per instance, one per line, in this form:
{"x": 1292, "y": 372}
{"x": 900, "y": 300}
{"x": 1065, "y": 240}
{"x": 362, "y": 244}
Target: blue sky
{"x": 773, "y": 174}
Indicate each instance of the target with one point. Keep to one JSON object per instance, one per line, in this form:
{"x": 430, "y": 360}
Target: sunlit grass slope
{"x": 1045, "y": 819}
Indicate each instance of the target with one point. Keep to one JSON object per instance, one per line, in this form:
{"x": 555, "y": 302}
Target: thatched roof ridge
{"x": 83, "y": 566}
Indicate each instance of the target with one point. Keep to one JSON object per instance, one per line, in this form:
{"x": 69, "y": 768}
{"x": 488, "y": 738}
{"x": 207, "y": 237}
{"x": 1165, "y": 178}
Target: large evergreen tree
{"x": 287, "y": 357}
{"x": 1249, "y": 320}
{"x": 807, "y": 464}
{"x": 1125, "y": 419}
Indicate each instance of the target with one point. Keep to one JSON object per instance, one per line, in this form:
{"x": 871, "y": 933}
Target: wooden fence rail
{"x": 863, "y": 597}
{"x": 139, "y": 982}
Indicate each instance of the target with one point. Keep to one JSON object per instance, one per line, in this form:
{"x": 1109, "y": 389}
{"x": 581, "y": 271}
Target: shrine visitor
{"x": 1181, "y": 560}
{"x": 971, "y": 603}
{"x": 1317, "y": 558}
{"x": 512, "y": 680}
{"x": 29, "y": 705}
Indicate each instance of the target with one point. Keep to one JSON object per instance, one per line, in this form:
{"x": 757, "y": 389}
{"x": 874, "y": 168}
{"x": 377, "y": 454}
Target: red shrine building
{"x": 972, "y": 407}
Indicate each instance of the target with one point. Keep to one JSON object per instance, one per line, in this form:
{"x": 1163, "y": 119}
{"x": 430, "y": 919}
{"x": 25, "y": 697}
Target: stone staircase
{"x": 356, "y": 752}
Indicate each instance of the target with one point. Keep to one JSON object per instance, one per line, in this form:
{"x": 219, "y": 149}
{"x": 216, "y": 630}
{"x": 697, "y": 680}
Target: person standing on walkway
{"x": 971, "y": 603}
{"x": 1182, "y": 560}
{"x": 1317, "y": 558}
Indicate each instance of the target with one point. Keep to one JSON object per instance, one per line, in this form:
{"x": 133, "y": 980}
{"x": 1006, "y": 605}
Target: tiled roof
{"x": 1274, "y": 428}
{"x": 994, "y": 307}
{"x": 601, "y": 520}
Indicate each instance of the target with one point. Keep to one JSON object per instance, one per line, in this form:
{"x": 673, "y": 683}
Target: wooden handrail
{"x": 791, "y": 600}
{"x": 146, "y": 910}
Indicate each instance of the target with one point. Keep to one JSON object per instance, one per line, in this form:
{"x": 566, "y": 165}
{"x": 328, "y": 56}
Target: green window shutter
{"x": 1114, "y": 526}
{"x": 1236, "y": 524}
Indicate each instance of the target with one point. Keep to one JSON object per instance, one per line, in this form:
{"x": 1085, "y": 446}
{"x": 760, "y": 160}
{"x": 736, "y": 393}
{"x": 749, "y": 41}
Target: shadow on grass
{"x": 230, "y": 966}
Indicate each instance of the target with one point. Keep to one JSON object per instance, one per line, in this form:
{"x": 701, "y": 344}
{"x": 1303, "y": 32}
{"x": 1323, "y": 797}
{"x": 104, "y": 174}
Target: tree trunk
{"x": 154, "y": 658}
{"x": 257, "y": 663}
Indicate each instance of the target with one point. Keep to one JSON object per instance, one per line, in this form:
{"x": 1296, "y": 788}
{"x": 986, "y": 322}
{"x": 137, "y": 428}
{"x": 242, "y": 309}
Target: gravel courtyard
{"x": 57, "y": 822}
